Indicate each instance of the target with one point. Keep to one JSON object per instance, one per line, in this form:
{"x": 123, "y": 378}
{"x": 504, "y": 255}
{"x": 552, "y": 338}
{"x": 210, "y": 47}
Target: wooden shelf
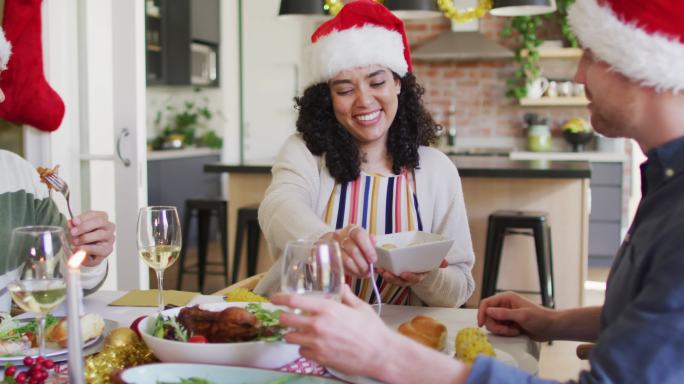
{"x": 558, "y": 53}
{"x": 153, "y": 48}
{"x": 575, "y": 101}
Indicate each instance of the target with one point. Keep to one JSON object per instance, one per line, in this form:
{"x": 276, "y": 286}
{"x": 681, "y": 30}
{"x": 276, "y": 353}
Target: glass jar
{"x": 538, "y": 138}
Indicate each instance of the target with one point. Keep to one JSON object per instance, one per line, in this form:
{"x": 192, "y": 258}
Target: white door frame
{"x": 128, "y": 43}
{"x": 98, "y": 93}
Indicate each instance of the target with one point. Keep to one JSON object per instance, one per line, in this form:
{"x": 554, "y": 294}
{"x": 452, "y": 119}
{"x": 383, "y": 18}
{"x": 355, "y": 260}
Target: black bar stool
{"x": 502, "y": 223}
{"x": 204, "y": 209}
{"x": 247, "y": 218}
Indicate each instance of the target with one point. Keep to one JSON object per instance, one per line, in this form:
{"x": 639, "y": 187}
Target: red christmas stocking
{"x": 29, "y": 99}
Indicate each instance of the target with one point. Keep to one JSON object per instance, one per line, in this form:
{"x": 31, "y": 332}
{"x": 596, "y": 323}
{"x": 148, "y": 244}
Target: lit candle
{"x": 76, "y": 372}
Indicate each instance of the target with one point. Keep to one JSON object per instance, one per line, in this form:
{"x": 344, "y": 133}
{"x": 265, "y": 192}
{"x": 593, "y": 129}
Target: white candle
{"x": 76, "y": 371}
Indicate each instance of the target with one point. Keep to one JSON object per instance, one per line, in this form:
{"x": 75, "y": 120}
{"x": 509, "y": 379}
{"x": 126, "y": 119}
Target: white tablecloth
{"x": 523, "y": 349}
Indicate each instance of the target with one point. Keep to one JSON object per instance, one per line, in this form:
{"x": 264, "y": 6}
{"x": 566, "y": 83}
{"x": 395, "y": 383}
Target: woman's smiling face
{"x": 365, "y": 102}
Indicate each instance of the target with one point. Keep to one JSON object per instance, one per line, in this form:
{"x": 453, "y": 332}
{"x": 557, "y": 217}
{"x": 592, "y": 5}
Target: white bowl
{"x": 411, "y": 252}
{"x": 257, "y": 354}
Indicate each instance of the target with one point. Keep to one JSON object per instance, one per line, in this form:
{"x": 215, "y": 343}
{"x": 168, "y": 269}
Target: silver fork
{"x": 60, "y": 186}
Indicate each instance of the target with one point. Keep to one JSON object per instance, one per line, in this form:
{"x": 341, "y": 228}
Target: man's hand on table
{"x": 509, "y": 314}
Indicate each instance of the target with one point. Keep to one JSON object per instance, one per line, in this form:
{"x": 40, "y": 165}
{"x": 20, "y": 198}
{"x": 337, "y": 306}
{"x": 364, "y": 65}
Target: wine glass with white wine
{"x": 32, "y": 266}
{"x": 159, "y": 241}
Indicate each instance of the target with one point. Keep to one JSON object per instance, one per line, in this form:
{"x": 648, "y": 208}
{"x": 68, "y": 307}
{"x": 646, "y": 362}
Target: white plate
{"x": 57, "y": 353}
{"x": 155, "y": 373}
{"x": 502, "y": 356}
{"x": 258, "y": 354}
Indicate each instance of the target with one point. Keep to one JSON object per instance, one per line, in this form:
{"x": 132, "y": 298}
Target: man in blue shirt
{"x": 633, "y": 71}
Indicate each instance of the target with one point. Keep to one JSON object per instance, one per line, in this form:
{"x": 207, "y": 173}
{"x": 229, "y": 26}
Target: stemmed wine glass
{"x": 36, "y": 283}
{"x": 159, "y": 241}
{"x": 313, "y": 268}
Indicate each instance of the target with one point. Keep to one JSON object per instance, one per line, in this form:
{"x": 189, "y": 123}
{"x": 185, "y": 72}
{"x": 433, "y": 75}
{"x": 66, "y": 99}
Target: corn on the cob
{"x": 242, "y": 294}
{"x": 471, "y": 342}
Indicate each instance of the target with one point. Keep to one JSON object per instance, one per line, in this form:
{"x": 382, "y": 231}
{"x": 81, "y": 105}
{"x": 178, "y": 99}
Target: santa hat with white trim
{"x": 5, "y": 50}
{"x": 643, "y": 40}
{"x": 363, "y": 33}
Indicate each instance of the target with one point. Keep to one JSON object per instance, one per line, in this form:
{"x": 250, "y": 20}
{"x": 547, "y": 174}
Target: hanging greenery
{"x": 523, "y": 29}
{"x": 526, "y": 53}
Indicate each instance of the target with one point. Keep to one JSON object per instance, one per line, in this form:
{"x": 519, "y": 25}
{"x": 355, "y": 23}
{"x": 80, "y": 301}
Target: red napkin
{"x": 304, "y": 366}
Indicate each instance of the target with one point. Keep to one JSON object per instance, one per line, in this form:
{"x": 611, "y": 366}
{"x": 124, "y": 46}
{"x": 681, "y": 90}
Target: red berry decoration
{"x": 28, "y": 360}
{"x": 49, "y": 364}
{"x": 10, "y": 371}
{"x": 134, "y": 325}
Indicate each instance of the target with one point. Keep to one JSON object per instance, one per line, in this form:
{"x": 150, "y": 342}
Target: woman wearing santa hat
{"x": 360, "y": 164}
{"x": 633, "y": 70}
{"x": 25, "y": 201}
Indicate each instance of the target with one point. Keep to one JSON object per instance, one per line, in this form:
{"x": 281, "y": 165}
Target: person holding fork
{"x": 25, "y": 201}
{"x": 360, "y": 165}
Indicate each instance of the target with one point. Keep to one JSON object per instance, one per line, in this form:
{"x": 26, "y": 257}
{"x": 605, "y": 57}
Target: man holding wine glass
{"x": 24, "y": 201}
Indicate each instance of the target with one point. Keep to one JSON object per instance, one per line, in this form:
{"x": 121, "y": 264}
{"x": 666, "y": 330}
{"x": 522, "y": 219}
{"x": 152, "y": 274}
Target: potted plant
{"x": 186, "y": 125}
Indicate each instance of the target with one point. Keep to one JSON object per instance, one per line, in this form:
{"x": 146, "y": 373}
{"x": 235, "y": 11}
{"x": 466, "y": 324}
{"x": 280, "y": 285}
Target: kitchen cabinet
{"x": 204, "y": 21}
{"x": 605, "y": 220}
{"x": 171, "y": 27}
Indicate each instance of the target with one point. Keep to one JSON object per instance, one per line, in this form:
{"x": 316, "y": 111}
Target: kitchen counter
{"x": 468, "y": 166}
{"x": 181, "y": 153}
{"x": 592, "y": 156}
{"x": 560, "y": 188}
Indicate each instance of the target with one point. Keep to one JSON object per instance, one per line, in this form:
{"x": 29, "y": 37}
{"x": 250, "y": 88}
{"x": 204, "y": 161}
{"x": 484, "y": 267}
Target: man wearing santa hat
{"x": 25, "y": 201}
{"x": 633, "y": 70}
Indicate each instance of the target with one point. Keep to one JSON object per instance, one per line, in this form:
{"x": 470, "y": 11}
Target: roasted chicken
{"x": 230, "y": 325}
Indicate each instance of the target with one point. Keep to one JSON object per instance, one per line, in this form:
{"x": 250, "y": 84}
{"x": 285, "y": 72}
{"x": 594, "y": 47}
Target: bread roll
{"x": 426, "y": 331}
{"x": 92, "y": 326}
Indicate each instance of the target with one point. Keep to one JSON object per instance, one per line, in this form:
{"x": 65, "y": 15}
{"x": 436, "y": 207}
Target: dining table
{"x": 522, "y": 349}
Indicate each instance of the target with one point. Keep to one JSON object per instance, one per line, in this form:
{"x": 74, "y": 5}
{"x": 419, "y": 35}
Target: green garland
{"x": 526, "y": 53}
{"x": 527, "y": 42}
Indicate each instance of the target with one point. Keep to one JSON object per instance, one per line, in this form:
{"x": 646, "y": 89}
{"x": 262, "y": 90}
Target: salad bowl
{"x": 255, "y": 354}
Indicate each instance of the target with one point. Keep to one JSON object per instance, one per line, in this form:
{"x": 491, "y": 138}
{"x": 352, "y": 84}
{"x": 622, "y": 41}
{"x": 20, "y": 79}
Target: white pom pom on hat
{"x": 5, "y": 50}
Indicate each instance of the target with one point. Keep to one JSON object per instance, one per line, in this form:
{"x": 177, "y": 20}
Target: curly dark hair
{"x": 325, "y": 136}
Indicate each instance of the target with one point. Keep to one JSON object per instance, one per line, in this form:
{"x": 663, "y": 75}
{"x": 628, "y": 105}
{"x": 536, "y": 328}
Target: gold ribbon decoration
{"x": 333, "y": 7}
{"x": 461, "y": 16}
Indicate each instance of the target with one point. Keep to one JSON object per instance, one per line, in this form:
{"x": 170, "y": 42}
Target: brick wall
{"x": 476, "y": 90}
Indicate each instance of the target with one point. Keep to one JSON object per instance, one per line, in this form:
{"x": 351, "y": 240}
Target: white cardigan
{"x": 295, "y": 201}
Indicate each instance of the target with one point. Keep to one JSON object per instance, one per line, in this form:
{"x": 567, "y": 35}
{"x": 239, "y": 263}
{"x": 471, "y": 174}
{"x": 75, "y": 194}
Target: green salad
{"x": 13, "y": 330}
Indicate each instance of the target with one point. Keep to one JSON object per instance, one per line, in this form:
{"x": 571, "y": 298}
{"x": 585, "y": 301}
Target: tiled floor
{"x": 558, "y": 361}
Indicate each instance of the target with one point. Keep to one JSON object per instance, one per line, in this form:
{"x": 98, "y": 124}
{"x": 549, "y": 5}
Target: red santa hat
{"x": 363, "y": 33}
{"x": 643, "y": 40}
{"x": 5, "y": 50}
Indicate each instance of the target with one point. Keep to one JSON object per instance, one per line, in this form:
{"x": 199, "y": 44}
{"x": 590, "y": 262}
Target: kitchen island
{"x": 560, "y": 188}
